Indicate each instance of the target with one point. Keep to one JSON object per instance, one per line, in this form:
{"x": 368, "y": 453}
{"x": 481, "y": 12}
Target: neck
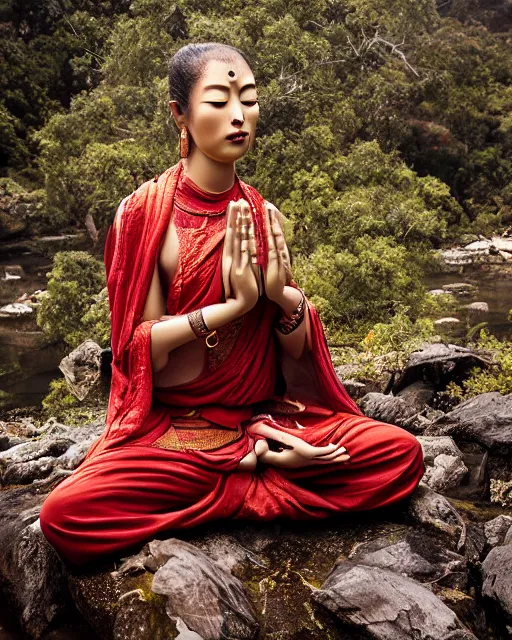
{"x": 209, "y": 174}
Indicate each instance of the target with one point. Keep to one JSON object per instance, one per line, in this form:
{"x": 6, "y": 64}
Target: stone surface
{"x": 82, "y": 368}
{"x": 416, "y": 556}
{"x": 435, "y": 512}
{"x": 486, "y": 419}
{"x": 439, "y": 364}
{"x": 495, "y": 530}
{"x": 58, "y": 451}
{"x": 205, "y": 596}
{"x": 388, "y": 408}
{"x": 497, "y": 580}
{"x": 387, "y": 605}
{"x": 31, "y": 574}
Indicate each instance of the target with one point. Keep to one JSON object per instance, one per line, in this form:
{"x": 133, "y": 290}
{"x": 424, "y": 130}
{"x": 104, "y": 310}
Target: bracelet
{"x": 288, "y": 323}
{"x": 200, "y": 329}
{"x": 197, "y": 323}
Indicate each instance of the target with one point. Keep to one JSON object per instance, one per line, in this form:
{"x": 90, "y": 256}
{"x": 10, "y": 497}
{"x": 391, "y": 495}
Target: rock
{"x": 358, "y": 388}
{"x": 59, "y": 449}
{"x": 475, "y": 485}
{"x": 439, "y": 364}
{"x": 445, "y": 322}
{"x": 461, "y": 288}
{"x": 419, "y": 394}
{"x": 497, "y": 580}
{"x": 32, "y": 575}
{"x": 388, "y": 408}
{"x": 432, "y": 510}
{"x": 443, "y": 459}
{"x": 416, "y": 556}
{"x": 495, "y": 530}
{"x": 13, "y": 272}
{"x": 15, "y": 310}
{"x": 388, "y": 606}
{"x": 209, "y": 600}
{"x": 82, "y": 368}
{"x": 439, "y": 292}
{"x": 485, "y": 419}
{"x": 478, "y": 307}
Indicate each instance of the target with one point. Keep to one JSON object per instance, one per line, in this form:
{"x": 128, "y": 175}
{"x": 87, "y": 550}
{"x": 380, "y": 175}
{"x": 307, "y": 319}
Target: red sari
{"x": 168, "y": 458}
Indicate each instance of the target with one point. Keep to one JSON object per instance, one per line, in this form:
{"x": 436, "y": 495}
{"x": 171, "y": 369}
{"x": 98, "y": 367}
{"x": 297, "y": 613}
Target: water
{"x": 492, "y": 285}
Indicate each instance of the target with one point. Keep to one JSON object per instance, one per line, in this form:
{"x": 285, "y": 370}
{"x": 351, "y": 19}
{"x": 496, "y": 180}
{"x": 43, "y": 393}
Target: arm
{"x": 174, "y": 331}
{"x": 294, "y": 342}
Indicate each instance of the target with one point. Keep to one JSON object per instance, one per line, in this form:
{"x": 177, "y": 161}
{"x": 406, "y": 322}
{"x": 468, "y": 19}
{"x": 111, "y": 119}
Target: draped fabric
{"x": 131, "y": 251}
{"x": 169, "y": 456}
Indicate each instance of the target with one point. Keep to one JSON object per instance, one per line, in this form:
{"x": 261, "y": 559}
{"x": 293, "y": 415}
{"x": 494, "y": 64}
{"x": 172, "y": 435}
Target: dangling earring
{"x": 184, "y": 142}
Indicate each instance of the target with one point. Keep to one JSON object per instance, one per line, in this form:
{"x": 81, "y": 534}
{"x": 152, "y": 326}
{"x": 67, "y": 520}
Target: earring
{"x": 184, "y": 142}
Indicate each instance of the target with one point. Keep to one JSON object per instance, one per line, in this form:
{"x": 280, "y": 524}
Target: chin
{"x": 228, "y": 158}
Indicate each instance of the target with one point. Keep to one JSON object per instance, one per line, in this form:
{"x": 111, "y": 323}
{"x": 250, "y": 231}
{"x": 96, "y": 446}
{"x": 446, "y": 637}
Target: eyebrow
{"x": 224, "y": 87}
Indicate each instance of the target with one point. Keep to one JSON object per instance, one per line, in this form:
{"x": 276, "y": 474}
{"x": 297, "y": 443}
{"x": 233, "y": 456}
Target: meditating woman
{"x": 224, "y": 402}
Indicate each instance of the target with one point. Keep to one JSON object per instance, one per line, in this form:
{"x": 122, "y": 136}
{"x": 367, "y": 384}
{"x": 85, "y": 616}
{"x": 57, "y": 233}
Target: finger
{"x": 272, "y": 250}
{"x": 344, "y": 457}
{"x": 333, "y": 456}
{"x": 245, "y": 258}
{"x": 328, "y": 449}
{"x": 228, "y": 249}
{"x": 237, "y": 243}
{"x": 335, "y": 449}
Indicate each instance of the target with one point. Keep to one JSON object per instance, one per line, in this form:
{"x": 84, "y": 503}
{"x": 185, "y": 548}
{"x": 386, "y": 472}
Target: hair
{"x": 188, "y": 63}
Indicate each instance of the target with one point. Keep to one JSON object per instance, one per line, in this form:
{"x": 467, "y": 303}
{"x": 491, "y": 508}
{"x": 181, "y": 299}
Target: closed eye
{"x": 221, "y": 104}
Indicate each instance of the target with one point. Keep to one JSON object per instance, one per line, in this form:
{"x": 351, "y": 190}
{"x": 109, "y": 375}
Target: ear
{"x": 177, "y": 114}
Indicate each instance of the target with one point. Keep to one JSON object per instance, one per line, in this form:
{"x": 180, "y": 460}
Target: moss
{"x": 479, "y": 511}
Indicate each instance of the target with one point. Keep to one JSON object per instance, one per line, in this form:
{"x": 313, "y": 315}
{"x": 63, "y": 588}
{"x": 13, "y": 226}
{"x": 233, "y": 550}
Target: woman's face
{"x": 223, "y": 102}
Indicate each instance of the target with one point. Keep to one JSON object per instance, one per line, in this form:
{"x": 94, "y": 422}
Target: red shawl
{"x": 131, "y": 251}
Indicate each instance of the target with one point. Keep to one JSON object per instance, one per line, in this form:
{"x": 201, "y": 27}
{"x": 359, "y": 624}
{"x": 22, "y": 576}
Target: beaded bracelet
{"x": 288, "y": 323}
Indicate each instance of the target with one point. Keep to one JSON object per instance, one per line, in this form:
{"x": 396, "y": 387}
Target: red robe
{"x": 155, "y": 470}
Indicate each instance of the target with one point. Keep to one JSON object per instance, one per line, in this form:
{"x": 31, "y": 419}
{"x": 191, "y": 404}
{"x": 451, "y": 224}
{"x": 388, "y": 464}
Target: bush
{"x": 497, "y": 378}
{"x": 65, "y": 313}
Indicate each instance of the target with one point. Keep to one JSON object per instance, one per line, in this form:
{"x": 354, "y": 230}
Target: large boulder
{"x": 388, "y": 606}
{"x": 439, "y": 364}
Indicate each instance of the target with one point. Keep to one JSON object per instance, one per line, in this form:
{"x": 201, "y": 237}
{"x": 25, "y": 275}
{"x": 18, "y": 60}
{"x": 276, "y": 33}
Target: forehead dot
{"x": 231, "y": 74}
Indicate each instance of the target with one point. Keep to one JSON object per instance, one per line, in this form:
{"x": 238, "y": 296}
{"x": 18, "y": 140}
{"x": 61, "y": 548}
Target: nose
{"x": 237, "y": 114}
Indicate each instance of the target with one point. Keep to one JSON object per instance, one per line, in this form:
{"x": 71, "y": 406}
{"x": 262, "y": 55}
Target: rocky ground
{"x": 432, "y": 567}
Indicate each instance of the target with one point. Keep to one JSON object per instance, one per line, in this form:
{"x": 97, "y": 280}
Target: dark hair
{"x": 189, "y": 62}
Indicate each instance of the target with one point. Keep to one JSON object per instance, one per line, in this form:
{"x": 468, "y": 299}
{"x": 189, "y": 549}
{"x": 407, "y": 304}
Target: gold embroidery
{"x": 197, "y": 434}
{"x": 227, "y": 335}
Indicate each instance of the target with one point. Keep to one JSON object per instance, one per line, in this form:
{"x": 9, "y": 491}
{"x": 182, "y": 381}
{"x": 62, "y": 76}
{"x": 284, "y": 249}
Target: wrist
{"x": 289, "y": 299}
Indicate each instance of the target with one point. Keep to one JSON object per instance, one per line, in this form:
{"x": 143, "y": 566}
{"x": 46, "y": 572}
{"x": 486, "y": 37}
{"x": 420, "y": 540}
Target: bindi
{"x": 231, "y": 74}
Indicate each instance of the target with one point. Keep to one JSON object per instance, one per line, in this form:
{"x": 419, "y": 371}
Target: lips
{"x": 238, "y": 135}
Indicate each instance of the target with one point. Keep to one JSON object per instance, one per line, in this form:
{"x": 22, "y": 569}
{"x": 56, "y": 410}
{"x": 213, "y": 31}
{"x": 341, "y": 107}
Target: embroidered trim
{"x": 201, "y": 435}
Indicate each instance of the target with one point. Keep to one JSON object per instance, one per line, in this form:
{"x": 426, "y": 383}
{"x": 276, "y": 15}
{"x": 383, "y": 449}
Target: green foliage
{"x": 365, "y": 284}
{"x": 497, "y": 378}
{"x": 74, "y": 281}
{"x": 64, "y": 406}
{"x": 387, "y": 346}
{"x": 95, "y": 324}
{"x": 385, "y": 129}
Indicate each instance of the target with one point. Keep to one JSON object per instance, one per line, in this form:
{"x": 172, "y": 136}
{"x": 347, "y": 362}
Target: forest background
{"x": 385, "y": 134}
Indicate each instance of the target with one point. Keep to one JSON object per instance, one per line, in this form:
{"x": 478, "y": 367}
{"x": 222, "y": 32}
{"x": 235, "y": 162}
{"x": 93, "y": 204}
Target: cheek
{"x": 207, "y": 125}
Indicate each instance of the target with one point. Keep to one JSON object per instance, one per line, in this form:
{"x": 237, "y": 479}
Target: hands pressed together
{"x": 242, "y": 277}
{"x": 244, "y": 281}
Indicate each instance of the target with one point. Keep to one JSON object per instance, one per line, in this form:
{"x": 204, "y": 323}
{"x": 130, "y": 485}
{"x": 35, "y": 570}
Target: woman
{"x": 224, "y": 402}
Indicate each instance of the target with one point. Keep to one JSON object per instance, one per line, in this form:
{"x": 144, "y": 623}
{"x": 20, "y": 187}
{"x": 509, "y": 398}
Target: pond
{"x": 492, "y": 285}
